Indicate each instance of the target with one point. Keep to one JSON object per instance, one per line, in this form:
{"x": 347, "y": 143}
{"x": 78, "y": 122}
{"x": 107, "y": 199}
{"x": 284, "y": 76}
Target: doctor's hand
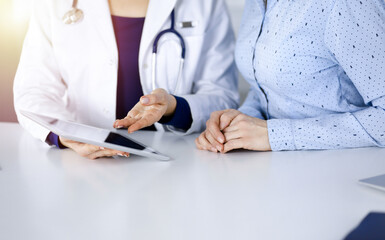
{"x": 91, "y": 151}
{"x": 238, "y": 130}
{"x": 150, "y": 109}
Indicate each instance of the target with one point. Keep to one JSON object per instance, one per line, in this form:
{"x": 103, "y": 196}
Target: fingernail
{"x": 101, "y": 148}
{"x": 145, "y": 100}
{"x": 118, "y": 127}
{"x": 126, "y": 155}
{"x": 213, "y": 149}
{"x": 220, "y": 139}
{"x": 219, "y": 148}
{"x": 119, "y": 154}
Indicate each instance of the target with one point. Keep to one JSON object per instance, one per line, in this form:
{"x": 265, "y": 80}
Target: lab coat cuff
{"x": 181, "y": 132}
{"x": 281, "y": 135}
{"x": 196, "y": 113}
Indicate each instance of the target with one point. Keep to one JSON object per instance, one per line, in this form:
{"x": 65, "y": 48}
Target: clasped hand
{"x": 230, "y": 129}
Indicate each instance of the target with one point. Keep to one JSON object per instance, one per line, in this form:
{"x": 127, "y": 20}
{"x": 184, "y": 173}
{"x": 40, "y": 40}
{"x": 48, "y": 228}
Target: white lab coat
{"x": 70, "y": 71}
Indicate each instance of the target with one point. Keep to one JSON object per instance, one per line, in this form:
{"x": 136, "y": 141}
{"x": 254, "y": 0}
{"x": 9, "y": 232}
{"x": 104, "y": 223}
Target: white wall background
{"x": 12, "y": 32}
{"x": 13, "y": 23}
{"x": 236, "y": 10}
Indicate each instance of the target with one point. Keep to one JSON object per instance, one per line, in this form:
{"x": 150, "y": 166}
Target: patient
{"x": 317, "y": 75}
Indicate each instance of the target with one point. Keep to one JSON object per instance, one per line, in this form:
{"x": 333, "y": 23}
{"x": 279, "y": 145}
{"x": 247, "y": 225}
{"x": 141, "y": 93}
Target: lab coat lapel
{"x": 157, "y": 14}
{"x": 99, "y": 19}
{"x": 100, "y": 12}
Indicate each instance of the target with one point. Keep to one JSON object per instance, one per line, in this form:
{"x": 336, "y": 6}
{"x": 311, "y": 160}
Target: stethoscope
{"x": 75, "y": 15}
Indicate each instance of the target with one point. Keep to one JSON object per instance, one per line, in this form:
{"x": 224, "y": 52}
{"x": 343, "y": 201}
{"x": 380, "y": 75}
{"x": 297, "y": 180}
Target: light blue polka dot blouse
{"x": 316, "y": 70}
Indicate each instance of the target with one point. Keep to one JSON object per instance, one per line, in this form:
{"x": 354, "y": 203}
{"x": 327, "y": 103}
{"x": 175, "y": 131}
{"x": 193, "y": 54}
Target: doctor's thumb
{"x": 154, "y": 98}
{"x": 149, "y": 100}
{"x": 145, "y": 100}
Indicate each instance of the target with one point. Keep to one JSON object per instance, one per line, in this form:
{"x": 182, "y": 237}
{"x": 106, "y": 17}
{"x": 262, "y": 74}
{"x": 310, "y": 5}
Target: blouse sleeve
{"x": 355, "y": 36}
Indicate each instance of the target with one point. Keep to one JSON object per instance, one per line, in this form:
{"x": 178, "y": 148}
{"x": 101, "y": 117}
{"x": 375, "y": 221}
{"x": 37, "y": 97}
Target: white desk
{"x": 46, "y": 193}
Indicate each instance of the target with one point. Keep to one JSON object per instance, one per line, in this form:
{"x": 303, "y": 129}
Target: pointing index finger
{"x": 142, "y": 123}
{"x": 128, "y": 121}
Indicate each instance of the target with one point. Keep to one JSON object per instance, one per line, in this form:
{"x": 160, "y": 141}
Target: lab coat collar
{"x": 101, "y": 13}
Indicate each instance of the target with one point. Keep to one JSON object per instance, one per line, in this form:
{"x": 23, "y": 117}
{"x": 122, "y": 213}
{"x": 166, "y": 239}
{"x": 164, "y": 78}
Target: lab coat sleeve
{"x": 38, "y": 86}
{"x": 215, "y": 84}
{"x": 355, "y": 36}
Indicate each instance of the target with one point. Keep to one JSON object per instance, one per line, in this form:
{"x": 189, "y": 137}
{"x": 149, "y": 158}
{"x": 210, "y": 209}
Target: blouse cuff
{"x": 281, "y": 135}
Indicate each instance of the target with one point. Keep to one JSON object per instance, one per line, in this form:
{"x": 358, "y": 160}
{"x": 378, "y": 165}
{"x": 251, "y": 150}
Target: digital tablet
{"x": 93, "y": 135}
{"x": 375, "y": 182}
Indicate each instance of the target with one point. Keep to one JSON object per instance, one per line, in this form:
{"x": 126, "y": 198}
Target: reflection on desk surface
{"x": 199, "y": 195}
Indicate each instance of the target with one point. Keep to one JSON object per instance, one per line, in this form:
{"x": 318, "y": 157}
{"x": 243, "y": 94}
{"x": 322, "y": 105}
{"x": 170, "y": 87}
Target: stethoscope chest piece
{"x": 73, "y": 16}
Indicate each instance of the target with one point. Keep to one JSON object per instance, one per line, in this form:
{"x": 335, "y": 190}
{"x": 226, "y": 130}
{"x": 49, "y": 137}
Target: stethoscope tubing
{"x": 173, "y": 31}
{"x": 74, "y": 4}
{"x": 155, "y": 52}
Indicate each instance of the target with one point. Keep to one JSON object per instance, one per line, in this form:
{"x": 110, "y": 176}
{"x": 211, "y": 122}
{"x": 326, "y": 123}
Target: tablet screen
{"x": 117, "y": 139}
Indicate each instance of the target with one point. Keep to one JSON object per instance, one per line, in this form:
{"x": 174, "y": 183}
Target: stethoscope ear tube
{"x": 153, "y": 73}
{"x": 155, "y": 51}
{"x": 181, "y": 65}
